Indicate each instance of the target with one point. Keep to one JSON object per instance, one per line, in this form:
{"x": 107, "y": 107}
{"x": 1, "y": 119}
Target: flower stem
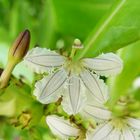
{"x": 4, "y": 79}
{"x": 76, "y": 46}
{"x": 73, "y": 51}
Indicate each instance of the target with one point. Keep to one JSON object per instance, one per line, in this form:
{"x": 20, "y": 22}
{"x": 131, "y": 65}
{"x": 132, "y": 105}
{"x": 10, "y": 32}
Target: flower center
{"x": 118, "y": 123}
{"x": 70, "y": 65}
{"x": 73, "y": 66}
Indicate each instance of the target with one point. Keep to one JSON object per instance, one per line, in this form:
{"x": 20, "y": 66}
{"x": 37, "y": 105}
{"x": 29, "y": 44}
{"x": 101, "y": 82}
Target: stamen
{"x": 76, "y": 45}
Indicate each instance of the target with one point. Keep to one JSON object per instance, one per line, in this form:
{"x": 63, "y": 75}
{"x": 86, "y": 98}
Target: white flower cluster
{"x": 83, "y": 92}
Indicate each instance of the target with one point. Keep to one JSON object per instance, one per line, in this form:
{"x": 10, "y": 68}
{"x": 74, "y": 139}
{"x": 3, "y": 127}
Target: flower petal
{"x": 136, "y": 133}
{"x": 47, "y": 88}
{"x": 135, "y": 123}
{"x": 97, "y": 111}
{"x": 102, "y": 132}
{"x": 114, "y": 135}
{"x": 128, "y": 134}
{"x": 105, "y": 64}
{"x": 41, "y": 60}
{"x": 89, "y": 135}
{"x": 95, "y": 85}
{"x": 61, "y": 127}
{"x": 75, "y": 98}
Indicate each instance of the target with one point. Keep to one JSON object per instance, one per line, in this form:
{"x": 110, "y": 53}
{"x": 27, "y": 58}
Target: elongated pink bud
{"x": 20, "y": 46}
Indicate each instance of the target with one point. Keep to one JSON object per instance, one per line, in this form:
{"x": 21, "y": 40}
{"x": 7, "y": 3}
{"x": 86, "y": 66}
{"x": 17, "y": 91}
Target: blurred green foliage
{"x": 50, "y": 20}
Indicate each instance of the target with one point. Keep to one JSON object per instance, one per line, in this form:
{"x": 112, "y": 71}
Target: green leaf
{"x": 69, "y": 19}
{"x": 122, "y": 84}
{"x": 120, "y": 27}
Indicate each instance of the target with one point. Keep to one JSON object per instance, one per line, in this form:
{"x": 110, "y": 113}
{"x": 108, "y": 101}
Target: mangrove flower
{"x": 15, "y": 55}
{"x": 74, "y": 76}
{"x": 110, "y": 127}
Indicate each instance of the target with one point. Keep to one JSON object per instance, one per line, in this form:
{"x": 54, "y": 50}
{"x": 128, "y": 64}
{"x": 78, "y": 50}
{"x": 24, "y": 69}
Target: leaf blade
{"x": 106, "y": 37}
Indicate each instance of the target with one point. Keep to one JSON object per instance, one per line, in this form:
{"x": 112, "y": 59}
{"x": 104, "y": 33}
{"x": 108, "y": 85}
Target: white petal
{"x": 61, "y": 127}
{"x": 98, "y": 112}
{"x": 105, "y": 64}
{"x": 102, "y": 131}
{"x": 74, "y": 98}
{"x": 114, "y": 135}
{"x": 41, "y": 60}
{"x": 47, "y": 88}
{"x": 128, "y": 134}
{"x": 89, "y": 135}
{"x": 95, "y": 85}
{"x": 135, "y": 123}
{"x": 136, "y": 134}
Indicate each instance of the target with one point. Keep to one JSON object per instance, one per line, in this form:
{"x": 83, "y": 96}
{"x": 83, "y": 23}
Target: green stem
{"x": 73, "y": 51}
{"x": 4, "y": 79}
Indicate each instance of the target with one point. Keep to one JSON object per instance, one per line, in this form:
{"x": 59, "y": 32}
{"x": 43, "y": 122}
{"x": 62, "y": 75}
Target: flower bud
{"x": 15, "y": 55}
{"x": 20, "y": 46}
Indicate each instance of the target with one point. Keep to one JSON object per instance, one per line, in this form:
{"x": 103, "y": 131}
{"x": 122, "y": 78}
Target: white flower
{"x": 110, "y": 128}
{"x": 61, "y": 128}
{"x": 72, "y": 75}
